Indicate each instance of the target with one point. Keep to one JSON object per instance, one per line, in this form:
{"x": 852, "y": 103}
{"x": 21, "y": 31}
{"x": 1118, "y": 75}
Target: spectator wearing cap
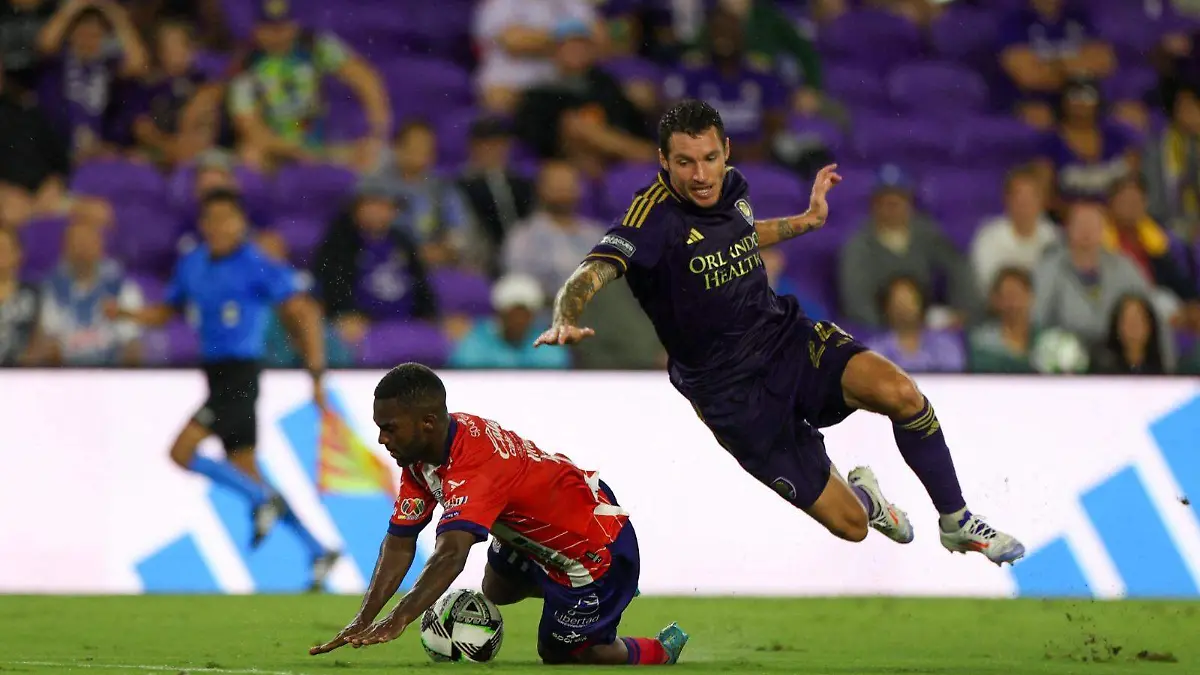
{"x": 897, "y": 241}
{"x": 742, "y": 86}
{"x": 89, "y": 44}
{"x": 516, "y": 40}
{"x": 33, "y": 161}
{"x": 498, "y": 196}
{"x": 506, "y": 339}
{"x": 582, "y": 114}
{"x": 1042, "y": 48}
{"x": 1076, "y": 288}
{"x": 549, "y": 244}
{"x": 1020, "y": 236}
{"x": 275, "y": 100}
{"x": 369, "y": 270}
{"x": 432, "y": 210}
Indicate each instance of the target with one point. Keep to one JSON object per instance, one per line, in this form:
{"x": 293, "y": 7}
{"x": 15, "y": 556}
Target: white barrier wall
{"x": 1091, "y": 474}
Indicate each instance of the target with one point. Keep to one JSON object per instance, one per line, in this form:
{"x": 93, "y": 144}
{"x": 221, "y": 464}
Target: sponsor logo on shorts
{"x": 571, "y": 638}
{"x": 456, "y": 502}
{"x": 785, "y": 488}
{"x": 411, "y": 508}
{"x": 620, "y": 243}
{"x": 585, "y": 612}
{"x": 451, "y": 515}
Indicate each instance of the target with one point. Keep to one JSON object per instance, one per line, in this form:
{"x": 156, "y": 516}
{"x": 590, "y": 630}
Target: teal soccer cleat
{"x": 673, "y": 639}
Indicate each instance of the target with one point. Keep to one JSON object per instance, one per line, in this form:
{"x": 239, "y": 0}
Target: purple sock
{"x": 865, "y": 498}
{"x": 924, "y": 448}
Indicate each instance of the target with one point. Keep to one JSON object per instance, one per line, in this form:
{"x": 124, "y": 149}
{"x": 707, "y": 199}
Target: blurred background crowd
{"x": 1021, "y": 194}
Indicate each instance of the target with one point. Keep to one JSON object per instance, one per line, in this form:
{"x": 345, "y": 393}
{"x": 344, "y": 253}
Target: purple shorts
{"x": 576, "y": 618}
{"x": 769, "y": 422}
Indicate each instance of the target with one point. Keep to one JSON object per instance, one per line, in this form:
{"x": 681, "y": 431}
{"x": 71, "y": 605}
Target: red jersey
{"x": 492, "y": 480}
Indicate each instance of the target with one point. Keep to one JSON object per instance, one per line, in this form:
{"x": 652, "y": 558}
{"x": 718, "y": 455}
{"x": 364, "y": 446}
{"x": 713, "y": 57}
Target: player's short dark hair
{"x": 692, "y": 117}
{"x": 412, "y": 384}
{"x": 221, "y": 196}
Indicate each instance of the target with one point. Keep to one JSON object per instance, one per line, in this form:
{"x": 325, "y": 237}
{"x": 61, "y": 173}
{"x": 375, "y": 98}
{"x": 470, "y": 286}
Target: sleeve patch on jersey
{"x": 411, "y": 508}
{"x": 621, "y": 244}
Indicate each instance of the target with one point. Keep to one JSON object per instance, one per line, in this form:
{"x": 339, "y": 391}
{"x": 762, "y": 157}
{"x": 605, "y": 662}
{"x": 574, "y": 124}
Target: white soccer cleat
{"x": 976, "y": 535}
{"x": 888, "y": 519}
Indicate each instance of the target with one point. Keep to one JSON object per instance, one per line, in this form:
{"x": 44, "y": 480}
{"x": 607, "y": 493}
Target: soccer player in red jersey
{"x": 558, "y": 532}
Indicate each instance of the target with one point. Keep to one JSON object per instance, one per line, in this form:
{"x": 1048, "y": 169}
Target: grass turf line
{"x": 270, "y": 635}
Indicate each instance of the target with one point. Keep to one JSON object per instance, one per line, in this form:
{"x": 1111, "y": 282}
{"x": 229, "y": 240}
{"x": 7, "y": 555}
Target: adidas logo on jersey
{"x": 694, "y": 236}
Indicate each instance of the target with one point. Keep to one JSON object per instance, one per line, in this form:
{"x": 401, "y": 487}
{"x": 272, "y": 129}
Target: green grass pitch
{"x": 270, "y": 635}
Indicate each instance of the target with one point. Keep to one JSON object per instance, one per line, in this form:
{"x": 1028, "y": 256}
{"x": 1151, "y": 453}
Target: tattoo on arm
{"x": 775, "y": 230}
{"x": 579, "y": 290}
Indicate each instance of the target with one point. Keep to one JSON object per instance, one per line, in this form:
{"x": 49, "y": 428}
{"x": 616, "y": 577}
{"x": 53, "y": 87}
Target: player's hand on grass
{"x": 563, "y": 334}
{"x": 356, "y": 628}
{"x": 818, "y": 208}
{"x": 384, "y": 630}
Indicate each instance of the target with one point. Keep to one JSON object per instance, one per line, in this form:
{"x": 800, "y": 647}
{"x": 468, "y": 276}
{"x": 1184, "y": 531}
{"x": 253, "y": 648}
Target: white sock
{"x": 949, "y": 522}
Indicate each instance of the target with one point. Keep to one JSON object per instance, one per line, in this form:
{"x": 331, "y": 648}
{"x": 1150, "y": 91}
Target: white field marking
{"x": 148, "y": 668}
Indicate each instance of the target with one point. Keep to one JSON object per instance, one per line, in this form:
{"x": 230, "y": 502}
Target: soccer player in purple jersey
{"x": 761, "y": 375}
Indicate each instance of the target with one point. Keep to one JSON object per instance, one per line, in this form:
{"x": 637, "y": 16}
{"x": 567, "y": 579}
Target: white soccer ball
{"x": 1058, "y": 351}
{"x": 462, "y": 626}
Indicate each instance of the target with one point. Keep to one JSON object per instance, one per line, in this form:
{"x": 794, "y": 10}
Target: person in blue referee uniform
{"x": 231, "y": 287}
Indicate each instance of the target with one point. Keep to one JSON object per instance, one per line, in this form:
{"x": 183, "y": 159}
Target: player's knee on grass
{"x": 504, "y": 591}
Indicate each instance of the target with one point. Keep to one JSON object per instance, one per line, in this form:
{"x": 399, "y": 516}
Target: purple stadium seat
{"x": 176, "y": 345}
{"x": 906, "y": 140}
{"x": 996, "y": 140}
{"x": 154, "y": 287}
{"x": 856, "y": 87}
{"x": 314, "y": 191}
{"x": 453, "y": 135}
{"x": 1127, "y": 26}
{"x": 958, "y": 188}
{"x": 871, "y": 39}
{"x": 425, "y": 87}
{"x": 303, "y": 235}
{"x": 460, "y": 292}
{"x": 145, "y": 238}
{"x": 41, "y": 244}
{"x": 622, "y": 182}
{"x": 120, "y": 182}
{"x": 344, "y": 116}
{"x": 632, "y": 68}
{"x": 1130, "y": 84}
{"x": 814, "y": 130}
{"x": 773, "y": 191}
{"x": 388, "y": 343}
{"x": 851, "y": 199}
{"x": 937, "y": 88}
{"x": 964, "y": 34}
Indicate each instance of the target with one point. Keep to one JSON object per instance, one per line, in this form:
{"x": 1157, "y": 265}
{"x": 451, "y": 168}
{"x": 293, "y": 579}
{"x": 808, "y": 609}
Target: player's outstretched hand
{"x": 563, "y": 335}
{"x": 384, "y": 630}
{"x": 356, "y": 628}
{"x": 827, "y": 177}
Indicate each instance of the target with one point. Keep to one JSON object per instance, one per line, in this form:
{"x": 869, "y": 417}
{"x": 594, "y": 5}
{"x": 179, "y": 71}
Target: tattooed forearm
{"x": 579, "y": 290}
{"x": 775, "y": 230}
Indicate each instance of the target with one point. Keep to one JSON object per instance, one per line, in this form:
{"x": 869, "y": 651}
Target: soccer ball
{"x": 1058, "y": 351}
{"x": 462, "y": 626}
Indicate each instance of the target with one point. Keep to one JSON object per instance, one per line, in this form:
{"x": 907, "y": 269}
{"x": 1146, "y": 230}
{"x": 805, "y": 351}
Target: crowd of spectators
{"x": 1020, "y": 174}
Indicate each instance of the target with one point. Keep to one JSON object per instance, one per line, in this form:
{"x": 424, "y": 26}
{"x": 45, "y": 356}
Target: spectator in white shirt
{"x": 1018, "y": 238}
{"x": 516, "y": 43}
{"x": 550, "y": 243}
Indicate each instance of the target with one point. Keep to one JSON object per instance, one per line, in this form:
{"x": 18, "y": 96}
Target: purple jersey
{"x": 1048, "y": 38}
{"x": 385, "y": 285}
{"x": 698, "y": 275}
{"x": 743, "y": 97}
{"x": 77, "y": 94}
{"x": 162, "y": 100}
{"x": 1079, "y": 177}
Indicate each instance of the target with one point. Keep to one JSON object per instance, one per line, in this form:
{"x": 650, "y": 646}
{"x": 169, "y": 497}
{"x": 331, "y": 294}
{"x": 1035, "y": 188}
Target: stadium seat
{"x": 302, "y": 235}
{"x": 461, "y": 292}
{"x": 856, "y": 87}
{"x": 996, "y": 140}
{"x": 390, "y": 342}
{"x": 145, "y": 238}
{"x": 622, "y": 182}
{"x": 312, "y": 191}
{"x": 937, "y": 89}
{"x": 422, "y": 87}
{"x": 872, "y": 39}
{"x": 903, "y": 140}
{"x": 41, "y": 244}
{"x": 965, "y": 34}
{"x": 120, "y": 182}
